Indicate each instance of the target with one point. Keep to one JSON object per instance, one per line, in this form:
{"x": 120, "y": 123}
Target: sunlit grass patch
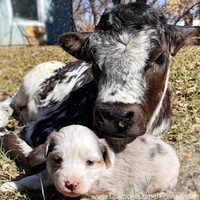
{"x": 184, "y": 84}
{"x": 15, "y": 62}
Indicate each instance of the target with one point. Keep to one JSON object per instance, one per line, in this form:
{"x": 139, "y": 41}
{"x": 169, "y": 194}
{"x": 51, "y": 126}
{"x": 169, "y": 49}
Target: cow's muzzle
{"x": 119, "y": 121}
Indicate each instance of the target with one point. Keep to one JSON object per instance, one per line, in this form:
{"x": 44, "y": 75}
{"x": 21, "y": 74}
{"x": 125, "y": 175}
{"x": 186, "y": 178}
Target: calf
{"x": 81, "y": 164}
{"x": 121, "y": 86}
{"x": 130, "y": 51}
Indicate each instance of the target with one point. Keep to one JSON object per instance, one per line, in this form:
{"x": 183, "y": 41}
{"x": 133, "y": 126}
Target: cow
{"x": 129, "y": 52}
{"x": 118, "y": 88}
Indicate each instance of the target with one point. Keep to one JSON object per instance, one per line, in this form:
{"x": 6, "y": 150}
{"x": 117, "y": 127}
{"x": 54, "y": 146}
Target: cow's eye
{"x": 58, "y": 160}
{"x": 161, "y": 59}
{"x": 89, "y": 163}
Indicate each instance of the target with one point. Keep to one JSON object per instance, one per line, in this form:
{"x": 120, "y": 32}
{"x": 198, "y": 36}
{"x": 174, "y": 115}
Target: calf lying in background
{"x": 81, "y": 164}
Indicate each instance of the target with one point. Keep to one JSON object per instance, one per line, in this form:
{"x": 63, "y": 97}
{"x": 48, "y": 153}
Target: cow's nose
{"x": 71, "y": 185}
{"x": 108, "y": 118}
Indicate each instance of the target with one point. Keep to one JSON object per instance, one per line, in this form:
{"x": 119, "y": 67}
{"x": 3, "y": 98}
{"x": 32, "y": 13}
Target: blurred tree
{"x": 86, "y": 13}
{"x": 94, "y": 11}
{"x": 181, "y": 9}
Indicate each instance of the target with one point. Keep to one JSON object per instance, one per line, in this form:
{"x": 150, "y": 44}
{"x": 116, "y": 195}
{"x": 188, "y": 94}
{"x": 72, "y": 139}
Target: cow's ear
{"x": 180, "y": 36}
{"x": 74, "y": 43}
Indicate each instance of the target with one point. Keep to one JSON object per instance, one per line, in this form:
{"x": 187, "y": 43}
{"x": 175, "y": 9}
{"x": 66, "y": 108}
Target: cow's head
{"x": 129, "y": 52}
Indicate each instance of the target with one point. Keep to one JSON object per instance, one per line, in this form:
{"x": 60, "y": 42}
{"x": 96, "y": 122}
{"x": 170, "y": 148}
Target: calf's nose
{"x": 71, "y": 185}
{"x": 119, "y": 118}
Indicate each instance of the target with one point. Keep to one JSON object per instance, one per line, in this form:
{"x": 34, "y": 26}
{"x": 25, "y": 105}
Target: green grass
{"x": 184, "y": 133}
{"x": 43, "y": 193}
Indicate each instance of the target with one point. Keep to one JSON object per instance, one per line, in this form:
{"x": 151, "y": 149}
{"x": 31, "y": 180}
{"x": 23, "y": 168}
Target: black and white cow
{"x": 120, "y": 87}
{"x": 129, "y": 52}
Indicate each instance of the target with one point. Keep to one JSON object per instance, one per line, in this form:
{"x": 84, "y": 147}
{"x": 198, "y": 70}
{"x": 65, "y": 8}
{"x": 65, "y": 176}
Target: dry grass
{"x": 15, "y": 62}
{"x": 183, "y": 134}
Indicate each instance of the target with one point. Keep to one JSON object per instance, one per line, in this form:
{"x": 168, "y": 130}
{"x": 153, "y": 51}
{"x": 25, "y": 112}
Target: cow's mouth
{"x": 118, "y": 144}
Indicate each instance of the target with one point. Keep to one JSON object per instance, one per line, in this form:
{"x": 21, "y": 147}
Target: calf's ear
{"x": 180, "y": 36}
{"x": 73, "y": 43}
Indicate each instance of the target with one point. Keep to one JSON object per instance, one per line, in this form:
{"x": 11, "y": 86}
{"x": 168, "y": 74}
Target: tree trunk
{"x": 106, "y": 2}
{"x": 94, "y": 11}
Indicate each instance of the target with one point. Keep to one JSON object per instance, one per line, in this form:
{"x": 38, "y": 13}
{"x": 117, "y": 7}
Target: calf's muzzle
{"x": 117, "y": 118}
{"x": 119, "y": 121}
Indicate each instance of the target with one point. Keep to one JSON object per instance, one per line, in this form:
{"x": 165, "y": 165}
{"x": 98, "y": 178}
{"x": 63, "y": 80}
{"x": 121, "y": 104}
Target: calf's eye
{"x": 89, "y": 163}
{"x": 160, "y": 60}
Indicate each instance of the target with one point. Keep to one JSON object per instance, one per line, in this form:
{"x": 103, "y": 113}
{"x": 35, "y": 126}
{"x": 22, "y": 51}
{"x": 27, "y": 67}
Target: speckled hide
{"x": 118, "y": 89}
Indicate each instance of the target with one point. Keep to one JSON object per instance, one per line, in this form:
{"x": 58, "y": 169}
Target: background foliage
{"x": 86, "y": 13}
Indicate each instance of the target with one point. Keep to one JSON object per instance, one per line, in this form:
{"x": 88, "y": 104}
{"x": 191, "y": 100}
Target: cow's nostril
{"x": 71, "y": 185}
{"x": 119, "y": 118}
{"x": 127, "y": 120}
{"x": 120, "y": 114}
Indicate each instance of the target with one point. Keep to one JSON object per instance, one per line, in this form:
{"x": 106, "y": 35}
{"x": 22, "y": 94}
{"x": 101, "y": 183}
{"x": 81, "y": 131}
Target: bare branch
{"x": 153, "y": 2}
{"x": 78, "y": 7}
{"x": 104, "y": 3}
{"x": 180, "y": 17}
{"x": 94, "y": 11}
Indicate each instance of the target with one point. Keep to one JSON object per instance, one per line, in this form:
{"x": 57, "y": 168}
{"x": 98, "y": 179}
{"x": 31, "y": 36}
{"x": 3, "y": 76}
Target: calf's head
{"x": 129, "y": 52}
{"x": 76, "y": 158}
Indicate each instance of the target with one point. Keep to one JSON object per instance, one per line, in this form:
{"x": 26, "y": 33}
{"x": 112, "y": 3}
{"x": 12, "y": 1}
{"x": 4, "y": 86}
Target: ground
{"x": 183, "y": 135}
